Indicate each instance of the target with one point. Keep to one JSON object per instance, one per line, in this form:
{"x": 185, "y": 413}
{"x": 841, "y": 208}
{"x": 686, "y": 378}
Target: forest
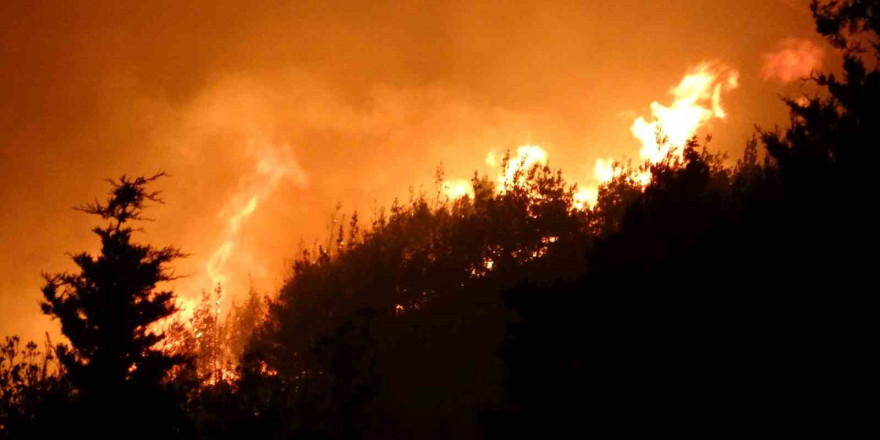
{"x": 722, "y": 296}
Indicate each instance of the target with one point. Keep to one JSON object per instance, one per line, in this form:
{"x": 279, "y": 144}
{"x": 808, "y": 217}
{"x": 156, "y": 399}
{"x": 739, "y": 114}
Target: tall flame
{"x": 697, "y": 100}
{"x": 458, "y": 188}
{"x": 527, "y": 156}
{"x": 274, "y": 164}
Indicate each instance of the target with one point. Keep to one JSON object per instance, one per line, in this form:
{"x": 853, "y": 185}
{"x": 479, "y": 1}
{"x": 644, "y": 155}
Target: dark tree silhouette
{"x": 394, "y": 330}
{"x": 722, "y": 300}
{"x": 34, "y": 391}
{"x": 107, "y": 311}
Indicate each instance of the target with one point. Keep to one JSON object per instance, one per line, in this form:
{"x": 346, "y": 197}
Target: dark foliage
{"x": 364, "y": 331}
{"x": 724, "y": 300}
{"x": 107, "y": 311}
{"x": 34, "y": 391}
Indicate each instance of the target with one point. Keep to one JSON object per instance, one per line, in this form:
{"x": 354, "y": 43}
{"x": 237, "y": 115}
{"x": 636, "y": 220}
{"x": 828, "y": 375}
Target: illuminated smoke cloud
{"x": 793, "y": 59}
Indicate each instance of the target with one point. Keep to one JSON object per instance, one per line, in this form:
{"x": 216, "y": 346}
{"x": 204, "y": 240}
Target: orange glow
{"x": 793, "y": 59}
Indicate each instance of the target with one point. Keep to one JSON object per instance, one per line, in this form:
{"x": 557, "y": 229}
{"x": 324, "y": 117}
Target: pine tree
{"x": 108, "y": 310}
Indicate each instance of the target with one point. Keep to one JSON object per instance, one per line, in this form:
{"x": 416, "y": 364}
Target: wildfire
{"x": 697, "y": 101}
{"x": 585, "y": 197}
{"x": 456, "y": 189}
{"x": 186, "y": 307}
{"x": 527, "y": 156}
{"x": 274, "y": 164}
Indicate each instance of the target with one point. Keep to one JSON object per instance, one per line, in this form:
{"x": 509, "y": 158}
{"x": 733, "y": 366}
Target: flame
{"x": 186, "y": 307}
{"x": 585, "y": 197}
{"x": 527, "y": 156}
{"x": 604, "y": 170}
{"x": 492, "y": 159}
{"x": 697, "y": 101}
{"x": 274, "y": 164}
{"x": 456, "y": 189}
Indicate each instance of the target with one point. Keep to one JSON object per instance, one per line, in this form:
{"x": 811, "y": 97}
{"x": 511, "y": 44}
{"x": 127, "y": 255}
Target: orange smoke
{"x": 793, "y": 59}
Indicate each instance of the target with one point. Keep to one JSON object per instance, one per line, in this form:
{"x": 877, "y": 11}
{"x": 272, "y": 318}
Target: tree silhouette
{"x": 394, "y": 331}
{"x": 107, "y": 311}
{"x": 34, "y": 392}
{"x": 722, "y": 298}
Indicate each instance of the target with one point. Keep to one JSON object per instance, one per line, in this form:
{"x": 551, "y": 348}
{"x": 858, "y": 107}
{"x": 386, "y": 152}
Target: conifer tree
{"x": 108, "y": 308}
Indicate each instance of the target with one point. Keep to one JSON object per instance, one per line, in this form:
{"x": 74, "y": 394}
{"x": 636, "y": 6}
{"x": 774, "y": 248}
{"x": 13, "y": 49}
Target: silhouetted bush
{"x": 34, "y": 391}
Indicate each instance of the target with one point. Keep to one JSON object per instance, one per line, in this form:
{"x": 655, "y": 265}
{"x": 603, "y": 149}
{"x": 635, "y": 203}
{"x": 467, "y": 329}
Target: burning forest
{"x": 691, "y": 271}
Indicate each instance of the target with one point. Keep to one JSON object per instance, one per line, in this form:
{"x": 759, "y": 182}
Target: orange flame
{"x": 458, "y": 188}
{"x": 527, "y": 156}
{"x": 697, "y": 101}
{"x": 274, "y": 165}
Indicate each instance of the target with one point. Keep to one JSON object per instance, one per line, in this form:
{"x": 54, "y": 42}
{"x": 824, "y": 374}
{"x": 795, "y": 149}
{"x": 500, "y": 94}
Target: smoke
{"x": 793, "y": 59}
{"x": 267, "y": 157}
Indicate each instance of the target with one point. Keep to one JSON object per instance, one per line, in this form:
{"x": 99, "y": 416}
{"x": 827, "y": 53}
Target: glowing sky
{"x": 268, "y": 114}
